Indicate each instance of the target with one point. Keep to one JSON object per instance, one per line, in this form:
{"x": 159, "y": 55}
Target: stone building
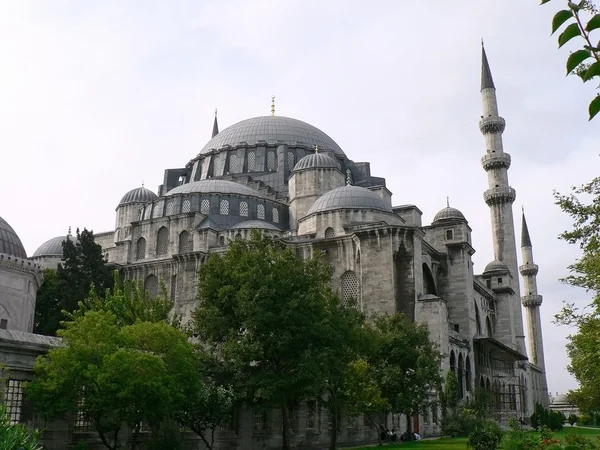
{"x": 290, "y": 180}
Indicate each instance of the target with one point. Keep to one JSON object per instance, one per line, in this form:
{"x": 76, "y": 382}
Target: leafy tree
{"x": 16, "y": 436}
{"x": 572, "y": 419}
{"x": 264, "y": 313}
{"x": 582, "y": 20}
{"x": 83, "y": 266}
{"x": 450, "y": 396}
{"x": 406, "y": 364}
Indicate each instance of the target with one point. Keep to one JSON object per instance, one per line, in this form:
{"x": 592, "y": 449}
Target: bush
{"x": 555, "y": 420}
{"x": 486, "y": 436}
{"x": 580, "y": 442}
{"x": 16, "y": 436}
{"x": 518, "y": 439}
{"x": 572, "y": 419}
{"x": 459, "y": 423}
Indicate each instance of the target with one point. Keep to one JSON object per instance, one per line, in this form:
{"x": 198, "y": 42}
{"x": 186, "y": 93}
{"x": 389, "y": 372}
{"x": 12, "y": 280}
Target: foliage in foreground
{"x": 16, "y": 436}
{"x": 486, "y": 436}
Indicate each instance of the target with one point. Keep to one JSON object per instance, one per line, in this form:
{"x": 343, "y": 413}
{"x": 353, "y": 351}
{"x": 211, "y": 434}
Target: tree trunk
{"x": 370, "y": 419}
{"x": 285, "y": 440}
{"x": 334, "y": 427}
{"x": 409, "y": 426}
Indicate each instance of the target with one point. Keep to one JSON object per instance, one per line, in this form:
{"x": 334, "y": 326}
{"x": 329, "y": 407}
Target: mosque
{"x": 290, "y": 180}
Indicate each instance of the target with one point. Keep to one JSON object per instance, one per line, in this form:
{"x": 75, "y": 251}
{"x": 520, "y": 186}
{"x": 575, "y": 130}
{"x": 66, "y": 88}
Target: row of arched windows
{"x": 185, "y": 243}
{"x": 462, "y": 370}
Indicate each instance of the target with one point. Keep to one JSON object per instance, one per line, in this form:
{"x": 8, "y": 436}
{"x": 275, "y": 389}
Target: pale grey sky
{"x": 97, "y": 96}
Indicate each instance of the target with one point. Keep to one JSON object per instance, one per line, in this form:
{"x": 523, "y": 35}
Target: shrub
{"x": 486, "y": 436}
{"x": 580, "y": 442}
{"x": 572, "y": 419}
{"x": 459, "y": 423}
{"x": 518, "y": 439}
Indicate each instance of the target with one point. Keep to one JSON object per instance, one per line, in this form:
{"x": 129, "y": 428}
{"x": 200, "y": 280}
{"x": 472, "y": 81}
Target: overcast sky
{"x": 97, "y": 96}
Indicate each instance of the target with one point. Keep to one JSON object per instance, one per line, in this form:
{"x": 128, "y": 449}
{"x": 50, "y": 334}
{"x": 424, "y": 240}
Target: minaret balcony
{"x": 531, "y": 301}
{"x": 528, "y": 270}
{"x": 492, "y": 125}
{"x": 495, "y": 161}
{"x": 499, "y": 195}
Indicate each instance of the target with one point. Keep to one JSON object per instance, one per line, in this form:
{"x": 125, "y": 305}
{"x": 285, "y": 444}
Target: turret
{"x": 215, "y": 126}
{"x": 531, "y": 299}
{"x": 129, "y": 209}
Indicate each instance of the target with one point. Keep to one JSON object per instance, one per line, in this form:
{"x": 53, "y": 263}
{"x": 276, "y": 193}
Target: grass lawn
{"x": 461, "y": 443}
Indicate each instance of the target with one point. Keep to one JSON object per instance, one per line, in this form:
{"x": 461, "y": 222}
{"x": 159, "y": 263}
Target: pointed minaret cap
{"x": 215, "y": 126}
{"x": 486, "y": 74}
{"x": 525, "y": 239}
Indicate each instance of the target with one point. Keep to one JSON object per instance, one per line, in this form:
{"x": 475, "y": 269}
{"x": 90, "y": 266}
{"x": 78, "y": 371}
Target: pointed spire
{"x": 486, "y": 74}
{"x": 215, "y": 125}
{"x": 69, "y": 230}
{"x": 272, "y": 105}
{"x": 447, "y": 202}
{"x": 525, "y": 239}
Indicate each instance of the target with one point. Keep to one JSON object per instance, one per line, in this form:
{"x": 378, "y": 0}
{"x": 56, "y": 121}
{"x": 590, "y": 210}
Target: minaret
{"x": 531, "y": 299}
{"x": 215, "y": 126}
{"x": 500, "y": 196}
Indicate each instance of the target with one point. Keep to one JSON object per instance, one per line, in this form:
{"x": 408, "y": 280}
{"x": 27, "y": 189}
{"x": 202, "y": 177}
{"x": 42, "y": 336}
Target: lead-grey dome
{"x": 495, "y": 266}
{"x": 317, "y": 160}
{"x": 52, "y": 247}
{"x": 138, "y": 195}
{"x": 10, "y": 243}
{"x": 272, "y": 130}
{"x": 349, "y": 197}
{"x": 449, "y": 213}
{"x": 214, "y": 187}
{"x": 255, "y": 224}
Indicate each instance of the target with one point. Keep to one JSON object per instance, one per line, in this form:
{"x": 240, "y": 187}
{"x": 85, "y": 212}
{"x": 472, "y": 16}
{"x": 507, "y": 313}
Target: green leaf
{"x": 594, "y": 107}
{"x": 593, "y": 23}
{"x": 570, "y": 32}
{"x": 576, "y": 58}
{"x": 560, "y": 18}
{"x": 592, "y": 71}
{"x": 544, "y": 1}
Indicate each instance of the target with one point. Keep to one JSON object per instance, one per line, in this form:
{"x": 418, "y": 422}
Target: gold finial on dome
{"x": 448, "y": 202}
{"x": 317, "y": 148}
{"x": 272, "y": 105}
{"x": 215, "y": 112}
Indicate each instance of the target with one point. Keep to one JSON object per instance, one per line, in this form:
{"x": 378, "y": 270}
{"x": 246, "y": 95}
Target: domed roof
{"x": 316, "y": 160}
{"x": 214, "y": 187}
{"x": 349, "y": 197}
{"x": 52, "y": 247}
{"x": 449, "y": 213}
{"x": 561, "y": 399}
{"x": 254, "y": 224}
{"x": 494, "y": 266}
{"x": 10, "y": 242}
{"x": 138, "y": 195}
{"x": 272, "y": 130}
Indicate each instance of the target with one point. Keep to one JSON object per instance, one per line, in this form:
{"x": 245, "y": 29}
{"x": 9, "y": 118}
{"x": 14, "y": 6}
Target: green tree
{"x": 83, "y": 266}
{"x": 582, "y": 21}
{"x": 572, "y": 419}
{"x": 264, "y": 312}
{"x": 450, "y": 396}
{"x": 406, "y": 364}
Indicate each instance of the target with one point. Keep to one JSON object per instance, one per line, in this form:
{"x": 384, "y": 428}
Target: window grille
{"x": 173, "y": 287}
{"x": 311, "y": 415}
{"x": 260, "y": 211}
{"x": 233, "y": 164}
{"x": 349, "y": 286}
{"x": 185, "y": 242}
{"x": 82, "y": 423}
{"x": 271, "y": 161}
{"x": 151, "y": 285}
{"x": 244, "y": 209}
{"x": 158, "y": 209}
{"x": 329, "y": 233}
{"x": 258, "y": 421}
{"x": 275, "y": 215}
{"x": 162, "y": 241}
{"x": 205, "y": 206}
{"x": 141, "y": 249}
{"x": 291, "y": 161}
{"x": 224, "y": 207}
{"x": 219, "y": 165}
{"x": 170, "y": 209}
{"x": 251, "y": 161}
{"x": 222, "y": 241}
{"x": 13, "y": 400}
{"x": 186, "y": 207}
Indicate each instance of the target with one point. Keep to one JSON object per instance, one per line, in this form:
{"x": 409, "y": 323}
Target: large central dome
{"x": 272, "y": 130}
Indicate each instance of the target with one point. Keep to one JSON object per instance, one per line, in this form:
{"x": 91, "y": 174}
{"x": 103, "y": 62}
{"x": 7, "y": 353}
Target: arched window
{"x": 428, "y": 281}
{"x": 233, "y": 164}
{"x": 488, "y": 327}
{"x": 350, "y": 286}
{"x": 185, "y": 242}
{"x": 151, "y": 285}
{"x": 205, "y": 206}
{"x": 224, "y": 209}
{"x": 141, "y": 213}
{"x": 238, "y": 236}
{"x": 186, "y": 207}
{"x": 452, "y": 361}
{"x": 140, "y": 251}
{"x": 244, "y": 209}
{"x": 291, "y": 161}
{"x": 275, "y": 215}
{"x": 329, "y": 233}
{"x": 482, "y": 383}
{"x": 468, "y": 374}
{"x": 260, "y": 211}
{"x": 162, "y": 241}
{"x": 157, "y": 211}
{"x": 461, "y": 370}
{"x": 251, "y": 161}
{"x": 148, "y": 212}
{"x": 170, "y": 209}
{"x": 219, "y": 165}
{"x": 271, "y": 161}
{"x": 222, "y": 241}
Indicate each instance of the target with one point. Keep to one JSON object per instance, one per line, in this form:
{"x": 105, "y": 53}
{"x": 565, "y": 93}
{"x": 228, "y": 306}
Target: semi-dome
{"x": 52, "y": 247}
{"x": 246, "y": 224}
{"x": 349, "y": 197}
{"x": 214, "y": 186}
{"x": 10, "y": 243}
{"x": 449, "y": 213}
{"x": 317, "y": 160}
{"x": 495, "y": 266}
{"x": 272, "y": 130}
{"x": 138, "y": 195}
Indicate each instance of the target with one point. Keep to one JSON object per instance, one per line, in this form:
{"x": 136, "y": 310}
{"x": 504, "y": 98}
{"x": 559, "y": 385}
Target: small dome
{"x": 52, "y": 247}
{"x": 317, "y": 160}
{"x": 448, "y": 213}
{"x": 254, "y": 224}
{"x": 496, "y": 266}
{"x": 349, "y": 197}
{"x": 138, "y": 195}
{"x": 214, "y": 187}
{"x": 10, "y": 243}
